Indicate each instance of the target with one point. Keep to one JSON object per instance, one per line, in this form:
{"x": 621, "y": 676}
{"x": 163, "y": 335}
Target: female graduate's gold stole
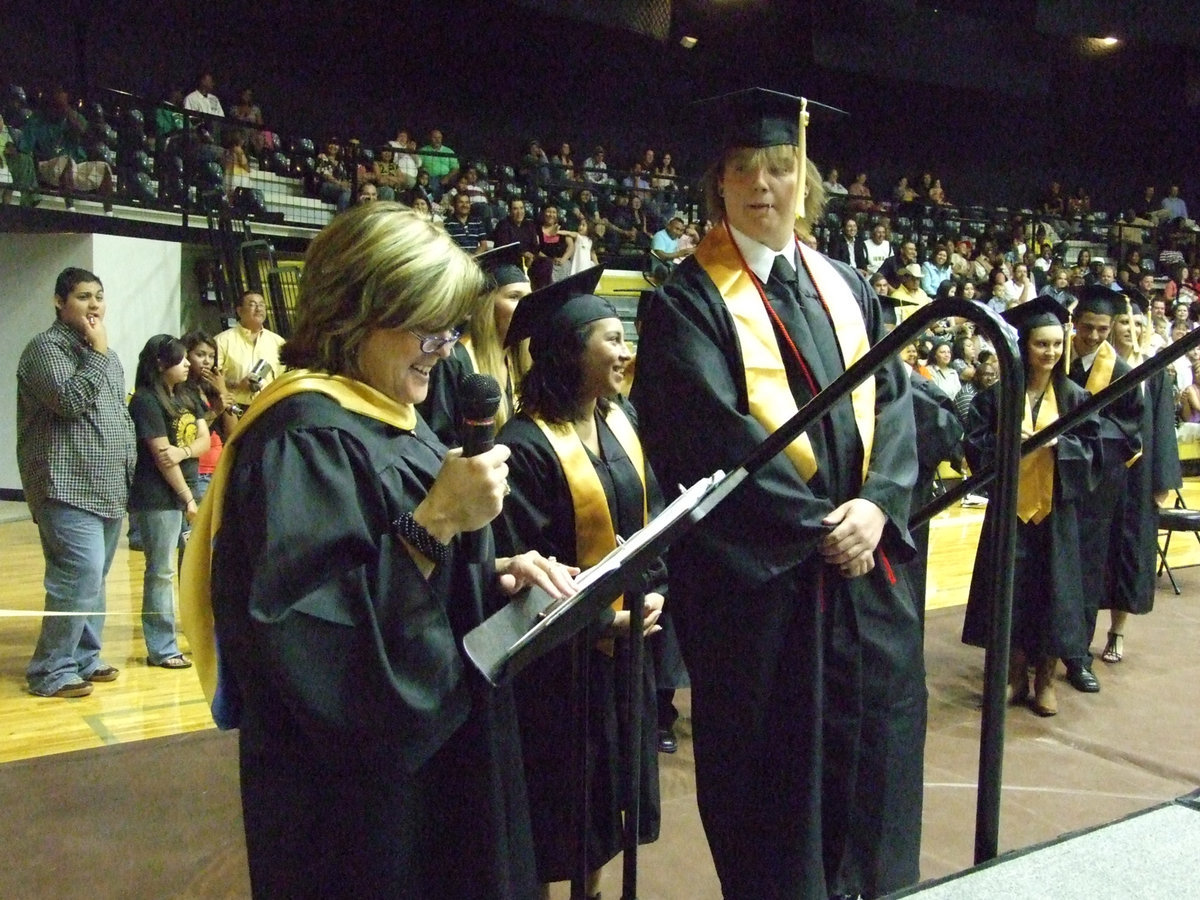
{"x": 195, "y": 575}
{"x": 1100, "y": 377}
{"x": 595, "y": 536}
{"x": 1035, "y": 490}
{"x": 770, "y": 396}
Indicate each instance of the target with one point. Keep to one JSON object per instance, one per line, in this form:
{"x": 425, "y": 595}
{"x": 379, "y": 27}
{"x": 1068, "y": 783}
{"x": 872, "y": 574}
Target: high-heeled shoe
{"x": 1045, "y": 702}
{"x": 1114, "y": 648}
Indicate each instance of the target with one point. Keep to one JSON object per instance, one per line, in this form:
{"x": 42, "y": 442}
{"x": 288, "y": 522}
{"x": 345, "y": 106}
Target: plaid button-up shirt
{"x": 75, "y": 440}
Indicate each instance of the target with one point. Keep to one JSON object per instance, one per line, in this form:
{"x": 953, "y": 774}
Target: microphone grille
{"x": 479, "y": 396}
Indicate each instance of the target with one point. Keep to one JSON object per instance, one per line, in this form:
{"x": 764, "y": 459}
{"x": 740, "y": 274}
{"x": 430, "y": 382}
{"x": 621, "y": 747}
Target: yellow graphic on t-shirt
{"x": 185, "y": 429}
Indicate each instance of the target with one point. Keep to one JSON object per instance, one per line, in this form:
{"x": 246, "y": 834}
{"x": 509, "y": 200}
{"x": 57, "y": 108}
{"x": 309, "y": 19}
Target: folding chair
{"x": 1178, "y": 518}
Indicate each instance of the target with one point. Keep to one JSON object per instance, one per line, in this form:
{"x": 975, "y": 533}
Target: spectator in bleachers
{"x": 833, "y": 187}
{"x": 518, "y": 229}
{"x": 333, "y": 181}
{"x": 937, "y": 194}
{"x": 467, "y": 230}
{"x": 387, "y": 175}
{"x": 935, "y": 271}
{"x": 424, "y": 189}
{"x": 1020, "y": 287}
{"x": 879, "y": 248}
{"x": 368, "y": 192}
{"x": 422, "y": 207}
{"x": 1174, "y": 204}
{"x": 563, "y": 163}
{"x": 909, "y": 292}
{"x": 1058, "y": 285}
{"x": 987, "y": 373}
{"x": 1080, "y": 203}
{"x": 554, "y": 251}
{"x": 860, "y": 195}
{"x": 944, "y": 375}
{"x": 235, "y": 160}
{"x": 620, "y": 220}
{"x": 583, "y": 251}
{"x": 440, "y": 162}
{"x": 202, "y": 99}
{"x": 595, "y": 168}
{"x": 905, "y": 256}
{"x": 21, "y": 168}
{"x": 405, "y": 159}
{"x": 468, "y": 183}
{"x": 664, "y": 246}
{"x": 1053, "y": 203}
{"x": 1107, "y": 277}
{"x": 54, "y": 137}
{"x": 847, "y": 246}
{"x": 643, "y": 221}
{"x": 998, "y": 290}
{"x": 664, "y": 174}
{"x": 535, "y": 166}
{"x": 881, "y": 285}
{"x": 588, "y": 207}
{"x": 967, "y": 289}
{"x": 249, "y": 114}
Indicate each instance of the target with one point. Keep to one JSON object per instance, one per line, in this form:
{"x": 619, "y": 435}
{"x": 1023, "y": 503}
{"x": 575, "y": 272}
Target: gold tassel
{"x": 802, "y": 162}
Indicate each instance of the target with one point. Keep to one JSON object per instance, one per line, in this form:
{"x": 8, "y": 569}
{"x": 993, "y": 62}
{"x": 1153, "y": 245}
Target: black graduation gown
{"x": 808, "y": 693}
{"x": 1134, "y": 553}
{"x": 1049, "y": 615}
{"x": 939, "y": 437}
{"x": 369, "y": 764}
{"x": 539, "y": 515}
{"x": 1120, "y": 440}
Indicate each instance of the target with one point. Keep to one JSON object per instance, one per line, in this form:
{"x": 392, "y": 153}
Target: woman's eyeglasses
{"x": 432, "y": 343}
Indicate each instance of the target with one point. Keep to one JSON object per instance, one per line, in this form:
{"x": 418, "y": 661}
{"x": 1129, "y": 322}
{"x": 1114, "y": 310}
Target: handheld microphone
{"x": 479, "y": 399}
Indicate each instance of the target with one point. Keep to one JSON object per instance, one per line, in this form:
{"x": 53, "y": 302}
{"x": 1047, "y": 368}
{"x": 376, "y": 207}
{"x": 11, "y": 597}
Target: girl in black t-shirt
{"x": 171, "y": 434}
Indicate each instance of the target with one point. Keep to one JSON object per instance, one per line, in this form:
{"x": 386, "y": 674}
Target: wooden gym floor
{"x": 1127, "y": 748}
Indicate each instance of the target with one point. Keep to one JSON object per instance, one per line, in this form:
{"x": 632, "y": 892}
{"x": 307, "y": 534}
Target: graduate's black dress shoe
{"x": 666, "y": 741}
{"x": 1082, "y": 679}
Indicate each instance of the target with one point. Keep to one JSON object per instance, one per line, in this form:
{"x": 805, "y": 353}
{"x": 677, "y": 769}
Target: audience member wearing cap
{"x": 749, "y": 328}
{"x": 481, "y": 349}
{"x": 1150, "y": 479}
{"x": 908, "y": 292}
{"x": 1048, "y": 617}
{"x": 1094, "y": 366}
{"x": 580, "y": 484}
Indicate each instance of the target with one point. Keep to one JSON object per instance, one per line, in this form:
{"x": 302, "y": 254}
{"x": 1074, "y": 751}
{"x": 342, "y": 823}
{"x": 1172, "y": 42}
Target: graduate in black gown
{"x": 1095, "y": 365}
{"x": 803, "y": 643}
{"x": 482, "y": 348}
{"x": 345, "y": 553}
{"x": 580, "y": 484}
{"x": 1133, "y": 554}
{"x": 1049, "y": 614}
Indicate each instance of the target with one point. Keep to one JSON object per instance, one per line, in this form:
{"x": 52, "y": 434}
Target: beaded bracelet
{"x": 425, "y": 543}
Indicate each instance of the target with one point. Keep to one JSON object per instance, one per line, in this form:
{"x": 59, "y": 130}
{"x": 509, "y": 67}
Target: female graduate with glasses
{"x": 1049, "y": 616}
{"x": 580, "y": 484}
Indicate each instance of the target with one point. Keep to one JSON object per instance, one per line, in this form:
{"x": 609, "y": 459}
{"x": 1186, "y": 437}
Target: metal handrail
{"x": 1004, "y": 499}
{"x": 1113, "y": 392}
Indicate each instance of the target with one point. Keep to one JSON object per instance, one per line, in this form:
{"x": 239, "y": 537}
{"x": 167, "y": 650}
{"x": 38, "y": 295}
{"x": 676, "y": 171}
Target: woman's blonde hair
{"x": 493, "y": 359}
{"x": 379, "y": 265}
{"x": 777, "y": 157}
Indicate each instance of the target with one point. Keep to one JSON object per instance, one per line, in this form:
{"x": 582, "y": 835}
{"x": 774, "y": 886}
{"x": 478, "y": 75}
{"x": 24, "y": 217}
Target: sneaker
{"x": 71, "y": 690}
{"x": 974, "y": 501}
{"x": 104, "y": 673}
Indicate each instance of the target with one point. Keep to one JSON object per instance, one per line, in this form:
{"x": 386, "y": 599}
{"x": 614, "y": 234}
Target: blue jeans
{"x": 160, "y": 530}
{"x": 78, "y": 547}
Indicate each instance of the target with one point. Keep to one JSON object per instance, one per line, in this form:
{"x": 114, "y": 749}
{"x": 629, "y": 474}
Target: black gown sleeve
{"x": 324, "y": 610}
{"x": 1163, "y": 450}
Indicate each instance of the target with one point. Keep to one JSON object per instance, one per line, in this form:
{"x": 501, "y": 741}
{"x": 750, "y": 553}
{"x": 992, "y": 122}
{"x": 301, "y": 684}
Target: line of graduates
{"x": 1086, "y": 504}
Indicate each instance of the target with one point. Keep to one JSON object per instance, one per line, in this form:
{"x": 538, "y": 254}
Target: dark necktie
{"x": 783, "y": 272}
{"x": 1078, "y": 374}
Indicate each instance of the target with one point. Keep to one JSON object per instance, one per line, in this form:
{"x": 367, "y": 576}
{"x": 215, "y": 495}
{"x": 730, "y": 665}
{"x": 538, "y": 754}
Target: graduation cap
{"x": 1101, "y": 300}
{"x": 759, "y": 117}
{"x": 889, "y": 305}
{"x": 1041, "y": 310}
{"x": 561, "y": 307}
{"x": 503, "y": 265}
